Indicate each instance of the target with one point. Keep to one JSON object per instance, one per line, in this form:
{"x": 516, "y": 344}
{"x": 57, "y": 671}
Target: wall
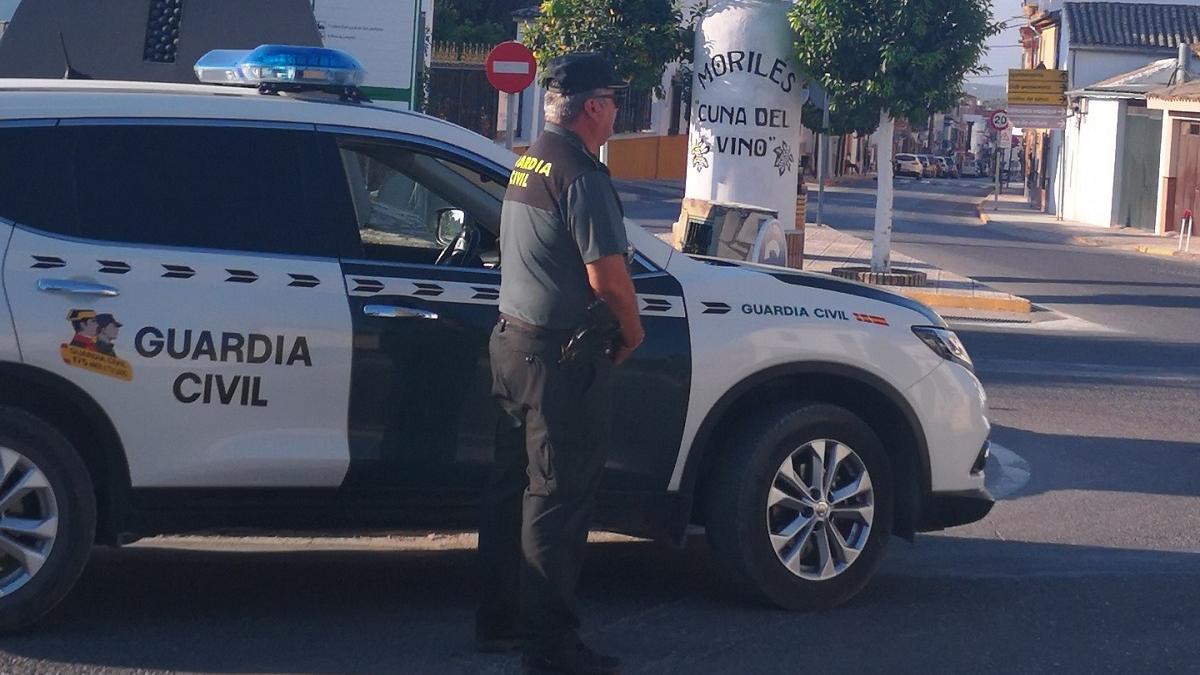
{"x": 978, "y": 133}
{"x": 1089, "y": 66}
{"x": 1091, "y": 163}
{"x": 643, "y": 157}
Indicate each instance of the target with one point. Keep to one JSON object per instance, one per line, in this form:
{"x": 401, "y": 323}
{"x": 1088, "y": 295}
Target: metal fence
{"x": 458, "y": 88}
{"x": 634, "y": 114}
{"x": 459, "y": 92}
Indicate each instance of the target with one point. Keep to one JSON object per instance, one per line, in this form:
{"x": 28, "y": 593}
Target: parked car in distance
{"x": 907, "y": 164}
{"x": 970, "y": 168}
{"x": 928, "y": 166}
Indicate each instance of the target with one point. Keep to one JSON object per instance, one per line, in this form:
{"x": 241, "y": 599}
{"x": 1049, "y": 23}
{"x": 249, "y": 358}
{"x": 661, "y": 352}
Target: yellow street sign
{"x": 1040, "y": 75}
{"x": 1037, "y": 98}
{"x": 1037, "y": 87}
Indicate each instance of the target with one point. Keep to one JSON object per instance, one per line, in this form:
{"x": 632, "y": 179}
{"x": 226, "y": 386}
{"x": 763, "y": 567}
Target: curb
{"x": 1168, "y": 252}
{"x": 1011, "y": 303}
{"x": 1164, "y": 251}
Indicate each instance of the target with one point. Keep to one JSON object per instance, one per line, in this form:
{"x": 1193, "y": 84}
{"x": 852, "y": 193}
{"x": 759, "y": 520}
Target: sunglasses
{"x": 617, "y": 98}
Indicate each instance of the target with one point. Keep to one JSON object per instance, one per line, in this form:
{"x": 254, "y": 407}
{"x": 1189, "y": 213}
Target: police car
{"x": 229, "y": 306}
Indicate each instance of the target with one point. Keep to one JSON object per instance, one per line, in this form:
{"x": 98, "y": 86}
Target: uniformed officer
{"x": 83, "y": 322}
{"x": 563, "y": 246}
{"x": 107, "y": 330}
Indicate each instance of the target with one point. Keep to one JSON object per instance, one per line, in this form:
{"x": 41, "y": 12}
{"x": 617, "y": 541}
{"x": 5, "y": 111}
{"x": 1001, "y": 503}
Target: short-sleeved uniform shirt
{"x": 560, "y": 213}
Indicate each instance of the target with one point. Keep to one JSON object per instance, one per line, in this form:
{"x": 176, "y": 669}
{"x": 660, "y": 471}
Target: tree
{"x": 475, "y": 22}
{"x": 841, "y": 120}
{"x": 891, "y": 59}
{"x": 639, "y": 37}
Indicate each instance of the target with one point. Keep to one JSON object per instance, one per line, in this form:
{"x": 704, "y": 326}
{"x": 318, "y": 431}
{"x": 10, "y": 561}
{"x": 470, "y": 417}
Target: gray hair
{"x": 565, "y": 108}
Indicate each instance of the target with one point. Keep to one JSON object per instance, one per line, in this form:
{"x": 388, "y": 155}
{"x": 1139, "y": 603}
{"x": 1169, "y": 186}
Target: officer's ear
{"x": 595, "y": 106}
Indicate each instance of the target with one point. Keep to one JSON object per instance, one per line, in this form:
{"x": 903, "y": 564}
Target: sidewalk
{"x": 1012, "y": 209}
{"x": 951, "y": 295}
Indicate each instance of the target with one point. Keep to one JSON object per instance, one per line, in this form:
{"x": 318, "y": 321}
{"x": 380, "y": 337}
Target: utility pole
{"x": 823, "y": 151}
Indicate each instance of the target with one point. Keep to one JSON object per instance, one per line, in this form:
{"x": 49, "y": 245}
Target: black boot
{"x": 574, "y": 658}
{"x": 499, "y": 637}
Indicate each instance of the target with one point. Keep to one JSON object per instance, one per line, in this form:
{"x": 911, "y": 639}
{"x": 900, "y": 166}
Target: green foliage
{"x": 475, "y": 22}
{"x": 908, "y": 57}
{"x": 841, "y": 120}
{"x": 639, "y": 37}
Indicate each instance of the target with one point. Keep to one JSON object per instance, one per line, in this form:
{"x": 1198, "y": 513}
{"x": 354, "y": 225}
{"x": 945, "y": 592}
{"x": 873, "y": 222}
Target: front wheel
{"x": 47, "y": 518}
{"x": 799, "y": 506}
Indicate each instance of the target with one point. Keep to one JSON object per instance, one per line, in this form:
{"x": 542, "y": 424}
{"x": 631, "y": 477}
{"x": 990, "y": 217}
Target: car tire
{"x": 744, "y": 530}
{"x": 47, "y": 486}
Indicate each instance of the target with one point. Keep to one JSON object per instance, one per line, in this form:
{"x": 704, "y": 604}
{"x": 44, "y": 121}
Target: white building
{"x": 1094, "y": 42}
{"x": 1112, "y": 148}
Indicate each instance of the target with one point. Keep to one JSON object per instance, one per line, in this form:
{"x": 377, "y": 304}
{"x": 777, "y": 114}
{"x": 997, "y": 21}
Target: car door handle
{"x": 394, "y": 312}
{"x": 77, "y": 287}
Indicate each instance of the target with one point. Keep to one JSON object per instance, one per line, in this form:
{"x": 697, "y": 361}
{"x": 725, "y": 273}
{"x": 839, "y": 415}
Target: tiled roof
{"x": 1126, "y": 24}
{"x": 1189, "y": 91}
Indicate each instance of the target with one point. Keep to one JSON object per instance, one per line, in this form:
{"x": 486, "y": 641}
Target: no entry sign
{"x": 510, "y": 67}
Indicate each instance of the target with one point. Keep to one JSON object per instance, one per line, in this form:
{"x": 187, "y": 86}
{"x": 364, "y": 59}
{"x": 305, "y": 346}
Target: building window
{"x": 162, "y": 31}
{"x": 1194, "y": 129}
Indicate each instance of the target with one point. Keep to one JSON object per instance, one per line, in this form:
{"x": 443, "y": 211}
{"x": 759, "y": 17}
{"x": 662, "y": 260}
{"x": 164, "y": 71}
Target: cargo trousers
{"x": 550, "y": 453}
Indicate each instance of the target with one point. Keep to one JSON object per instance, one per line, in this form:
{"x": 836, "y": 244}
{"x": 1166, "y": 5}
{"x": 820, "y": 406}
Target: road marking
{"x": 1012, "y": 474}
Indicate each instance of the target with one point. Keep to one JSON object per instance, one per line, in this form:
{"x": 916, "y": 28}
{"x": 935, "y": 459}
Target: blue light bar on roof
{"x": 282, "y": 65}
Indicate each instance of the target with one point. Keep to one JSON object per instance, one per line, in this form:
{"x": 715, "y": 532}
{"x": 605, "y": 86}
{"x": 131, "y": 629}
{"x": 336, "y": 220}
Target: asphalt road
{"x": 1090, "y": 562}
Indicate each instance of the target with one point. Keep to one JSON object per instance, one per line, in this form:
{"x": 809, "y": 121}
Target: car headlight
{"x": 945, "y": 344}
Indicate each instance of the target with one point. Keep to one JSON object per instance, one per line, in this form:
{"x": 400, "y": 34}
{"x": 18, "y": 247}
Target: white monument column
{"x": 743, "y": 146}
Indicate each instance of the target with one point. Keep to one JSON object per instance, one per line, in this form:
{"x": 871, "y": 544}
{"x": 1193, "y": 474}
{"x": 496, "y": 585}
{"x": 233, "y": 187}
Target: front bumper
{"x": 940, "y": 510}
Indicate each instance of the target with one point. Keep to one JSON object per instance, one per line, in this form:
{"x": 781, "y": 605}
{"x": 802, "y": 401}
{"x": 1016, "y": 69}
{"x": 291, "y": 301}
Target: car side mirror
{"x": 449, "y": 224}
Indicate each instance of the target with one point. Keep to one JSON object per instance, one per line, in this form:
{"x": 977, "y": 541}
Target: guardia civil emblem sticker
{"x": 93, "y": 346}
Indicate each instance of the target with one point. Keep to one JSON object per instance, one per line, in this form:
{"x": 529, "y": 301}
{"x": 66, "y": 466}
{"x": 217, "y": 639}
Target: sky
{"x": 1003, "y": 53}
{"x": 1003, "y": 56}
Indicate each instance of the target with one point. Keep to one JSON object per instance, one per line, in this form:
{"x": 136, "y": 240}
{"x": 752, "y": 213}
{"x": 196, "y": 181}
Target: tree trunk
{"x": 881, "y": 245}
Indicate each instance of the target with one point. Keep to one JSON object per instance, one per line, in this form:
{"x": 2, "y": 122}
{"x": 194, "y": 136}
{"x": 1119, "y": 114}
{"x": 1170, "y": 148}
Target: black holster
{"x": 598, "y": 335}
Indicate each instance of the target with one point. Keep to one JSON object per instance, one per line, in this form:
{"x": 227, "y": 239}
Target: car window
{"x": 31, "y": 180}
{"x": 216, "y": 187}
{"x": 403, "y": 198}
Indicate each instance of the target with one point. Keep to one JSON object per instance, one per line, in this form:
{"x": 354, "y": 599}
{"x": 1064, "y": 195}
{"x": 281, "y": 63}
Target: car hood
{"x": 827, "y": 282}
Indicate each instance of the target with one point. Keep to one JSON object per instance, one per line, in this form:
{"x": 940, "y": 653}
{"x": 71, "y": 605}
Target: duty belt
{"x": 507, "y": 321}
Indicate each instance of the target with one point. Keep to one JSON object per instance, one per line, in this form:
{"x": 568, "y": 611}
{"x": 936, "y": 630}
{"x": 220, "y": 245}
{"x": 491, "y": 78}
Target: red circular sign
{"x": 510, "y": 67}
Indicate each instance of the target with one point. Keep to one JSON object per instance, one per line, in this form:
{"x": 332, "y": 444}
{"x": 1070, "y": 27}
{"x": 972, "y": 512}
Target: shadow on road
{"x": 1060, "y": 355}
{"x": 946, "y": 604}
{"x": 1061, "y": 462}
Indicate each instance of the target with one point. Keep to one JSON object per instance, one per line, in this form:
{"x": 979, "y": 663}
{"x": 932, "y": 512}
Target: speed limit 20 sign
{"x": 998, "y": 120}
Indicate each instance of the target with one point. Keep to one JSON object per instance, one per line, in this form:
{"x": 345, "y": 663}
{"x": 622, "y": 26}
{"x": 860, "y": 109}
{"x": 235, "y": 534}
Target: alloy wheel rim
{"x": 820, "y": 509}
{"x": 28, "y": 520}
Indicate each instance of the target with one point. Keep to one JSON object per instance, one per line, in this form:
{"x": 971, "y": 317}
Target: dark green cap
{"x": 580, "y": 72}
